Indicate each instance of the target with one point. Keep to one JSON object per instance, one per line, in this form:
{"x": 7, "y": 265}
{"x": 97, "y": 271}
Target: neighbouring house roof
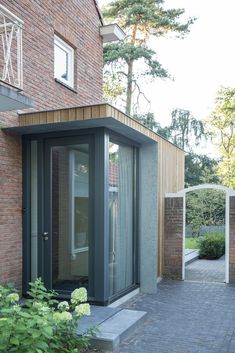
{"x": 113, "y": 173}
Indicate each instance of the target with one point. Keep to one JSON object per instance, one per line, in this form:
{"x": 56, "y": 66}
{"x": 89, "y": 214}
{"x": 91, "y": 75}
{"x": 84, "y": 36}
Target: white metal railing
{"x": 11, "y": 60}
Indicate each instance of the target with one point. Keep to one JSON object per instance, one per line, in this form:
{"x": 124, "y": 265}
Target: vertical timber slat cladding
{"x": 57, "y": 116}
{"x": 103, "y": 110}
{"x": 170, "y": 160}
{"x": 173, "y": 249}
{"x": 64, "y": 115}
{"x": 79, "y": 114}
{"x": 72, "y": 114}
{"x": 232, "y": 239}
{"x": 87, "y": 113}
{"x": 95, "y": 111}
{"x": 77, "y": 22}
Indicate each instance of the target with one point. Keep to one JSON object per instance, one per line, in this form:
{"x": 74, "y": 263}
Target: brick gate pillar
{"x": 232, "y": 239}
{"x": 173, "y": 242}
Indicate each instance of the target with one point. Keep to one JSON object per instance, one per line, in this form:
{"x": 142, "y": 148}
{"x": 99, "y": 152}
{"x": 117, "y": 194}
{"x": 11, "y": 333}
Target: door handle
{"x": 45, "y": 235}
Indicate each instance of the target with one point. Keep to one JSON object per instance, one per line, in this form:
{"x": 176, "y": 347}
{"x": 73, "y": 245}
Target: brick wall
{"x": 173, "y": 243}
{"x": 78, "y": 23}
{"x": 232, "y": 240}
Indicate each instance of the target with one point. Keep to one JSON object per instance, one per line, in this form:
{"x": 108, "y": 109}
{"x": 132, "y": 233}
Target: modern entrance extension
{"x": 175, "y": 232}
{"x": 74, "y": 185}
{"x": 86, "y": 171}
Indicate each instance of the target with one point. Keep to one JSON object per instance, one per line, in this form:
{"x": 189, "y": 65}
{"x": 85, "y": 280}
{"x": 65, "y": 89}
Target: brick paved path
{"x": 206, "y": 270}
{"x": 185, "y": 317}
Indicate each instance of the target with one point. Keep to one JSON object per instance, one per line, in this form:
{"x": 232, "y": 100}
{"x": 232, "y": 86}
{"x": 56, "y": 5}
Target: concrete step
{"x": 116, "y": 328}
{"x": 114, "y": 324}
{"x": 191, "y": 255}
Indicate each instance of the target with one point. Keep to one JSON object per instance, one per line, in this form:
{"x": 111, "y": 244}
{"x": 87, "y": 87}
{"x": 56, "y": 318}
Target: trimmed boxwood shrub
{"x": 212, "y": 246}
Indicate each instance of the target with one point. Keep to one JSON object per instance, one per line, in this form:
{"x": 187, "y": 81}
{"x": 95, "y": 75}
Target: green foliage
{"x": 200, "y": 169}
{"x": 191, "y": 243}
{"x": 113, "y": 87}
{"x": 148, "y": 16}
{"x": 212, "y": 246}
{"x": 147, "y": 120}
{"x": 204, "y": 208}
{"x": 126, "y": 52}
{"x": 140, "y": 20}
{"x": 222, "y": 125}
{"x": 41, "y": 325}
{"x": 186, "y": 131}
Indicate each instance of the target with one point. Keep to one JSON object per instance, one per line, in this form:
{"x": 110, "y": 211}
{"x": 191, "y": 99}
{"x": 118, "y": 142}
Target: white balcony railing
{"x": 11, "y": 62}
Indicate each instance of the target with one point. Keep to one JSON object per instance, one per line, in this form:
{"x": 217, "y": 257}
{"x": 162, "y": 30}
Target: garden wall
{"x": 173, "y": 246}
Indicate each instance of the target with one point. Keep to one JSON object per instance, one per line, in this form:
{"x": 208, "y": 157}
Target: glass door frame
{"x": 99, "y": 139}
{"x": 47, "y": 246}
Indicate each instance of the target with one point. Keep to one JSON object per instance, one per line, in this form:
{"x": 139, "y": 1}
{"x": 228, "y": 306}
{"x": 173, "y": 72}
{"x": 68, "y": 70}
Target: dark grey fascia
{"x": 110, "y": 123}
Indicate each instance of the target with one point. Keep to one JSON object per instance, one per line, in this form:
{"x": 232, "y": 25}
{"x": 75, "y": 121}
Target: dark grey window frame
{"x": 122, "y": 140}
{"x": 101, "y": 137}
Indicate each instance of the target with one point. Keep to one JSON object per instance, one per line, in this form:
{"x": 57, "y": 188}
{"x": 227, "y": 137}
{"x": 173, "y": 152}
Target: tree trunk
{"x": 129, "y": 88}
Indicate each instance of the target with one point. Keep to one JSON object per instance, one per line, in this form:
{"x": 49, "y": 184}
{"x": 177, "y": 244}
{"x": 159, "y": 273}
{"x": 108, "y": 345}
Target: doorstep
{"x": 114, "y": 324}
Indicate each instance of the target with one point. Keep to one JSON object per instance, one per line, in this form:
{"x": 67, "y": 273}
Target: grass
{"x": 191, "y": 243}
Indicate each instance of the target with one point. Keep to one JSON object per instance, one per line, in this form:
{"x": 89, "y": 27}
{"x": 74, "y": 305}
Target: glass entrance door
{"x": 81, "y": 230}
{"x": 67, "y": 219}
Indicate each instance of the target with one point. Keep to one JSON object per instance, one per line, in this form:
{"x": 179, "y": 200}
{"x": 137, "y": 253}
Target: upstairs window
{"x": 64, "y": 62}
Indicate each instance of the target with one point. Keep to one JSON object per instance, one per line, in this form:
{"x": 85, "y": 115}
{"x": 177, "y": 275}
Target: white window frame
{"x": 70, "y": 51}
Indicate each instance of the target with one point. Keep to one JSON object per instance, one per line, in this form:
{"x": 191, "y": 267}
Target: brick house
{"x": 65, "y": 214}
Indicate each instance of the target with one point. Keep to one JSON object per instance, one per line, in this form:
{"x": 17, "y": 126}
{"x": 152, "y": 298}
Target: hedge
{"x": 212, "y": 246}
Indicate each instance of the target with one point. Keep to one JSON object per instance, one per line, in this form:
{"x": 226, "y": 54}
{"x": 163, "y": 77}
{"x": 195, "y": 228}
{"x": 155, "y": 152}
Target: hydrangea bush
{"x": 41, "y": 324}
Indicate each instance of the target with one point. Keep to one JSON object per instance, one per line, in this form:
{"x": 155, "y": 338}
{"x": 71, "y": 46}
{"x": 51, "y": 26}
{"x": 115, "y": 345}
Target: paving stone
{"x": 206, "y": 270}
{"x": 184, "y": 317}
{"x": 232, "y": 346}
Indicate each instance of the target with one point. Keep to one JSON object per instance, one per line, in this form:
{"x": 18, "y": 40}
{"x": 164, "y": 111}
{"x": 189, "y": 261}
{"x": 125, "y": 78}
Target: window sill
{"x": 66, "y": 86}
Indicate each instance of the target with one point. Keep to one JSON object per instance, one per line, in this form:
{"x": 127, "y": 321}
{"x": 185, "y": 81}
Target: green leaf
{"x": 43, "y": 345}
{"x": 14, "y": 341}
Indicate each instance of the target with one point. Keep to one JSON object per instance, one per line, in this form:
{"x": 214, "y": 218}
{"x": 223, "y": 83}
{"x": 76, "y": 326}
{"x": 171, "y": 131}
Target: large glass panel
{"x": 121, "y": 244}
{"x": 70, "y": 216}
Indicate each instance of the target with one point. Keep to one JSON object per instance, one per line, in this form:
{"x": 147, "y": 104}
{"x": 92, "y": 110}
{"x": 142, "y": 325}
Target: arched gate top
{"x": 182, "y": 193}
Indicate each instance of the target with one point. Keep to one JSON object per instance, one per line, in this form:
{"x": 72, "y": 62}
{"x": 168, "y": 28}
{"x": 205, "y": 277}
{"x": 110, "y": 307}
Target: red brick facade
{"x": 78, "y": 23}
{"x": 173, "y": 242}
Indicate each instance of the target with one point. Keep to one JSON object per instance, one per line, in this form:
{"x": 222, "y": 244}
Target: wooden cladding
{"x": 63, "y": 115}
{"x": 84, "y": 113}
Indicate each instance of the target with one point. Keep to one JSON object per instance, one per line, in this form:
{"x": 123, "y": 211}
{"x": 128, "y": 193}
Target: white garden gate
{"x": 229, "y": 232}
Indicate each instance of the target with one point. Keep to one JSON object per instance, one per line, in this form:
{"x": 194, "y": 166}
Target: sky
{"x": 200, "y": 64}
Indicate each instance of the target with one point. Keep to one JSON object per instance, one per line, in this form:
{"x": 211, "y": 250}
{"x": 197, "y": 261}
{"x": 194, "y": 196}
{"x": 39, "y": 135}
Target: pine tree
{"x": 141, "y": 19}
